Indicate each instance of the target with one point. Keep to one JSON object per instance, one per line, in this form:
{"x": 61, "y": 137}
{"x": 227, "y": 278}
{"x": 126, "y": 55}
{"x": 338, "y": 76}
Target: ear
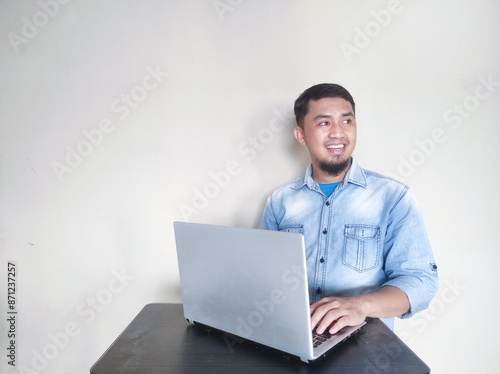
{"x": 299, "y": 135}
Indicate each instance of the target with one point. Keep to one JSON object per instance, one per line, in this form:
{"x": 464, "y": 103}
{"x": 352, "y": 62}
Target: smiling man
{"x": 330, "y": 136}
{"x": 367, "y": 250}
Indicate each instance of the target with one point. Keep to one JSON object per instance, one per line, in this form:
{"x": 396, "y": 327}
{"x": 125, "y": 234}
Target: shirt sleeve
{"x": 409, "y": 262}
{"x": 268, "y": 220}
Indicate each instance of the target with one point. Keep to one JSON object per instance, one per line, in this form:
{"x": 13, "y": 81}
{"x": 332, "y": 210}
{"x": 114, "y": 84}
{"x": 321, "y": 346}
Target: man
{"x": 367, "y": 251}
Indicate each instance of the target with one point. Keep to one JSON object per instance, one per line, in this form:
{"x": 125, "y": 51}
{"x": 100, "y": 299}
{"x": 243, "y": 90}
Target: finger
{"x": 321, "y": 309}
{"x": 318, "y": 304}
{"x": 328, "y": 320}
{"x": 318, "y": 310}
{"x": 346, "y": 320}
{"x": 338, "y": 325}
{"x": 318, "y": 313}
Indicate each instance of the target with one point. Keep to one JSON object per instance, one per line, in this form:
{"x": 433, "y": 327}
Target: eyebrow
{"x": 321, "y": 116}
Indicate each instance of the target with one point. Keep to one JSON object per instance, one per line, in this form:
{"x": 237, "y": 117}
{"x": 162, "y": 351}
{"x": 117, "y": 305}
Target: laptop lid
{"x": 247, "y": 282}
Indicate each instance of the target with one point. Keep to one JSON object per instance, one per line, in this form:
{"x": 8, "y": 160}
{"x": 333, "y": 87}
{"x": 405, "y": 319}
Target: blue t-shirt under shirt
{"x": 328, "y": 188}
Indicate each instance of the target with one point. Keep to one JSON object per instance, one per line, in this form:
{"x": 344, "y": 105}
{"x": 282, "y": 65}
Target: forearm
{"x": 388, "y": 302}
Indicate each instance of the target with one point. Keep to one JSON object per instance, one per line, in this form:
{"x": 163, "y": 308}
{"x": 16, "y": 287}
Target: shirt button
{"x": 325, "y": 231}
{"x": 327, "y": 203}
{"x": 321, "y": 260}
{"x": 318, "y": 290}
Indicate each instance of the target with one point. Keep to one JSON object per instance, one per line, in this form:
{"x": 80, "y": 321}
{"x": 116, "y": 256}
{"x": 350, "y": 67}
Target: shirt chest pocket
{"x": 361, "y": 247}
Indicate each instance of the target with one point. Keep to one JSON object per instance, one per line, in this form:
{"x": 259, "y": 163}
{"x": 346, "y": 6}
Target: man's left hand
{"x": 333, "y": 313}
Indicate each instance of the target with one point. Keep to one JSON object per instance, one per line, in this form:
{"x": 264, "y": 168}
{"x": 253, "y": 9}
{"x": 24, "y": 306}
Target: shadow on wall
{"x": 276, "y": 158}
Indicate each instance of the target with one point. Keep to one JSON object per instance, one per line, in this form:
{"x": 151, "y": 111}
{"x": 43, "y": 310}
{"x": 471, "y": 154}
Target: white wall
{"x": 91, "y": 234}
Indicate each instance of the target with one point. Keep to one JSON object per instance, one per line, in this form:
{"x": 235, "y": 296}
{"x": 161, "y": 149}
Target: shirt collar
{"x": 355, "y": 175}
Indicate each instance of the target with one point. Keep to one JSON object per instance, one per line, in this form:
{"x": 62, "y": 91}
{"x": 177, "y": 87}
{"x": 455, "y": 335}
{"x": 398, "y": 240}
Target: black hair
{"x": 317, "y": 92}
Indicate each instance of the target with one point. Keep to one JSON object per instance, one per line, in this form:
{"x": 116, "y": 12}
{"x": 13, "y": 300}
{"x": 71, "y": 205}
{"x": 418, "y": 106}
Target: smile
{"x": 335, "y": 146}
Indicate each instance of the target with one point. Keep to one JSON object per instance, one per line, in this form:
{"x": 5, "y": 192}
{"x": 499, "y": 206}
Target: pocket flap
{"x": 362, "y": 232}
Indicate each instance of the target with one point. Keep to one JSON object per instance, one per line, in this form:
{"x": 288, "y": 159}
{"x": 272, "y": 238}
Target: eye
{"x": 347, "y": 122}
{"x": 324, "y": 123}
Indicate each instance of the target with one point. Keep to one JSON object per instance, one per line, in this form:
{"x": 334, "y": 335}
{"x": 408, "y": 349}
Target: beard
{"x": 334, "y": 168}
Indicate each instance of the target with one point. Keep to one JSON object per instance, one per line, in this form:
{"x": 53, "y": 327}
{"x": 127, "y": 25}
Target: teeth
{"x": 335, "y": 146}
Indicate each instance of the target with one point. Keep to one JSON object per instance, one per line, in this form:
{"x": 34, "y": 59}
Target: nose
{"x": 336, "y": 130}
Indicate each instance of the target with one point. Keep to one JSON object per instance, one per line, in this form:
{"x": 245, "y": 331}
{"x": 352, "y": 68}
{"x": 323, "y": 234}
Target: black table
{"x": 160, "y": 340}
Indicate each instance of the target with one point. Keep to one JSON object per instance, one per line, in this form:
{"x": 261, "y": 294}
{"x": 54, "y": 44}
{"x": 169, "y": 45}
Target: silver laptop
{"x": 252, "y": 284}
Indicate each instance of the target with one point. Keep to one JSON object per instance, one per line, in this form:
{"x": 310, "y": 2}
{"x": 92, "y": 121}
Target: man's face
{"x": 330, "y": 136}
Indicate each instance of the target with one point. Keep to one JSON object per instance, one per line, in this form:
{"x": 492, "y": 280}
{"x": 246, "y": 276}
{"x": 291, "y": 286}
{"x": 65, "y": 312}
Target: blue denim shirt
{"x": 367, "y": 234}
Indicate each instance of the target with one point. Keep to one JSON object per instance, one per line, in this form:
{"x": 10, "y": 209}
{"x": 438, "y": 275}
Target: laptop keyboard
{"x": 320, "y": 339}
